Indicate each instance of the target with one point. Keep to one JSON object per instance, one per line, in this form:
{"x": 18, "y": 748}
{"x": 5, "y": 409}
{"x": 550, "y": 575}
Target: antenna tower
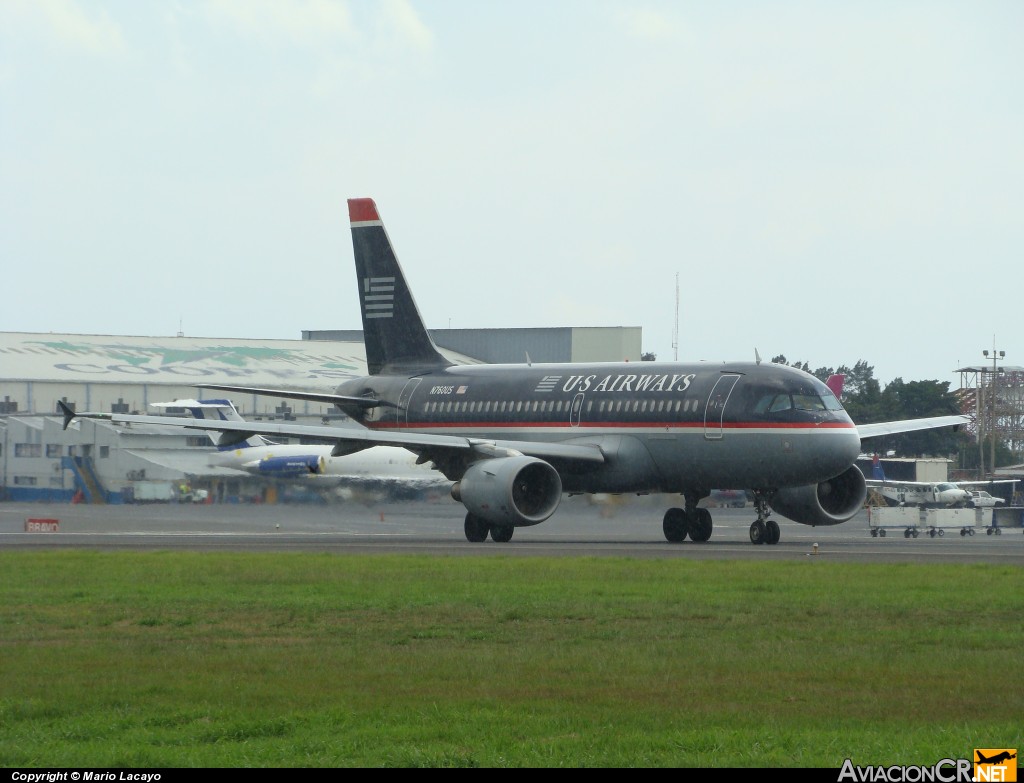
{"x": 675, "y": 330}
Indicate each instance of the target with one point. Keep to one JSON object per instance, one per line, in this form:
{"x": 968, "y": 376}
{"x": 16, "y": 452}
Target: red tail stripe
{"x": 361, "y": 210}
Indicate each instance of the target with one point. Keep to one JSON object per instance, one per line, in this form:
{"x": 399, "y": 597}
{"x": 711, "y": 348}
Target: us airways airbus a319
{"x": 515, "y": 438}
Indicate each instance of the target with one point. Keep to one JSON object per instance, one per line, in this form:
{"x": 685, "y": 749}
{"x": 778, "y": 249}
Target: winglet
{"x": 65, "y": 409}
{"x": 70, "y": 415}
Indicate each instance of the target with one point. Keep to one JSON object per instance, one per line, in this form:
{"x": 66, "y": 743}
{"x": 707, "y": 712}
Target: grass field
{"x": 296, "y": 660}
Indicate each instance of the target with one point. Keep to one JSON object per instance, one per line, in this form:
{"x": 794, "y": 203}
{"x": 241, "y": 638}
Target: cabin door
{"x": 402, "y": 413}
{"x": 576, "y": 410}
{"x": 715, "y": 409}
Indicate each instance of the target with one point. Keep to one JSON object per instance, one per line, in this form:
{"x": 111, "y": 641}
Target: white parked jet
{"x": 377, "y": 467}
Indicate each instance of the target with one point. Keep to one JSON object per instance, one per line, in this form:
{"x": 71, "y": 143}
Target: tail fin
{"x": 876, "y": 469}
{"x": 393, "y": 330}
{"x": 835, "y": 383}
{"x": 224, "y": 410}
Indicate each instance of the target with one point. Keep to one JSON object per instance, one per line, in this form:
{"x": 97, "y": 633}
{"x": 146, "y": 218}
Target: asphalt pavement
{"x": 580, "y": 527}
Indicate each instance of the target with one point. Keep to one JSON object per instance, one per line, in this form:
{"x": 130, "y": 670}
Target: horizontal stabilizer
{"x": 322, "y": 397}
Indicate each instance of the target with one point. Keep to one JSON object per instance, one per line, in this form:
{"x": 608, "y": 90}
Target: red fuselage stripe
{"x": 653, "y": 425}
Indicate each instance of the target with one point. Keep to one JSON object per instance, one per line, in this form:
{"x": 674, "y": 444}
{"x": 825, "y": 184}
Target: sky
{"x": 833, "y": 182}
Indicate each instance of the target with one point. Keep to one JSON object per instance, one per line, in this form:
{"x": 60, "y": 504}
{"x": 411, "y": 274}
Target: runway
{"x": 579, "y": 528}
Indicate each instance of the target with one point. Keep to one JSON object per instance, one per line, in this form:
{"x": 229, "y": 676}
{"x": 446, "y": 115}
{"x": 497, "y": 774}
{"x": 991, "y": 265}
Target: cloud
{"x": 342, "y": 34}
{"x": 651, "y": 25}
{"x": 303, "y": 23}
{"x": 406, "y": 27}
{"x": 63, "y": 23}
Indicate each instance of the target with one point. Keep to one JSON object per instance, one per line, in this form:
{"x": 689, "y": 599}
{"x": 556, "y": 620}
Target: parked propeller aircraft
{"x": 378, "y": 468}
{"x": 930, "y": 494}
{"x": 514, "y": 438}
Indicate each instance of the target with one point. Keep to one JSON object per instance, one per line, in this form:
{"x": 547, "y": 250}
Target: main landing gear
{"x": 691, "y": 521}
{"x": 477, "y": 530}
{"x": 763, "y": 530}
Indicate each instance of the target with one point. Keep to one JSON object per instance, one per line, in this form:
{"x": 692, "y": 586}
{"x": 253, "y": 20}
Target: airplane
{"x": 377, "y": 468}
{"x": 514, "y": 438}
{"x": 927, "y": 494}
{"x": 996, "y": 759}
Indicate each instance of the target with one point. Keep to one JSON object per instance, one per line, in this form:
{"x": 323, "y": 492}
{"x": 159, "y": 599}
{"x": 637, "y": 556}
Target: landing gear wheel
{"x": 501, "y": 534}
{"x": 675, "y": 526}
{"x": 874, "y": 533}
{"x": 906, "y": 533}
{"x": 881, "y": 534}
{"x": 701, "y": 527}
{"x": 963, "y": 531}
{"x": 758, "y": 532}
{"x": 941, "y": 532}
{"x": 476, "y": 528}
{"x": 931, "y": 533}
{"x": 772, "y": 534}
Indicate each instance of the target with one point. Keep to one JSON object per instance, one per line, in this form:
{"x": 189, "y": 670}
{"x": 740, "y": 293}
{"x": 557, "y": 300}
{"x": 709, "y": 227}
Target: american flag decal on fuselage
{"x": 547, "y": 383}
{"x": 379, "y": 297}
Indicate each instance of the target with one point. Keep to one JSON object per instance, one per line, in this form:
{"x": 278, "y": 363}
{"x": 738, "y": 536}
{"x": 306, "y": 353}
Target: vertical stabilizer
{"x": 835, "y": 383}
{"x": 876, "y": 469}
{"x": 393, "y": 331}
{"x": 222, "y": 410}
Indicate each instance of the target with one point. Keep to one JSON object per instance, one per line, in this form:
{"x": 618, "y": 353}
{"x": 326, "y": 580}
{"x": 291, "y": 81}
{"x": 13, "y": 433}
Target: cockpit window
{"x": 830, "y": 400}
{"x": 769, "y": 401}
{"x": 808, "y": 402}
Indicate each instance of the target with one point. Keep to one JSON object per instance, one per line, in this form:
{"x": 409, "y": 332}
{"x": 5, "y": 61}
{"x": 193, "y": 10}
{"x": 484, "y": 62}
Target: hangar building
{"x": 124, "y": 374}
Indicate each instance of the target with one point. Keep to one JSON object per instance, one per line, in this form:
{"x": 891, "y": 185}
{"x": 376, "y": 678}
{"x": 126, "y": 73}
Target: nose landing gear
{"x": 763, "y": 530}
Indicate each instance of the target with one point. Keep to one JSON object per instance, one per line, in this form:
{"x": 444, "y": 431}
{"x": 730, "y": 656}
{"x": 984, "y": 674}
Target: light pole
{"x": 996, "y": 355}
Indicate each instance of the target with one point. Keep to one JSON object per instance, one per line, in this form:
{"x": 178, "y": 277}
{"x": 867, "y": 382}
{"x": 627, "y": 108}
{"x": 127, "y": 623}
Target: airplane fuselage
{"x": 941, "y": 494}
{"x": 663, "y": 427}
{"x": 316, "y": 462}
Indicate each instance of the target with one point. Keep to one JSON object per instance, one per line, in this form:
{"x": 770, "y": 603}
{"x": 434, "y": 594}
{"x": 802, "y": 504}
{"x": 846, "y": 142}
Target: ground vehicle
{"x": 982, "y": 499}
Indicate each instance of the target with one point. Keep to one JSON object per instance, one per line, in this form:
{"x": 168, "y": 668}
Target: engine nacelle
{"x": 517, "y": 491}
{"x": 831, "y": 502}
{"x": 303, "y": 465}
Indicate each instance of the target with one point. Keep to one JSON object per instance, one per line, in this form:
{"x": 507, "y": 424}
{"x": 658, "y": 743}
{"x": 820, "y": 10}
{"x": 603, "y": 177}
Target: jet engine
{"x": 304, "y": 465}
{"x": 831, "y": 502}
{"x": 516, "y": 491}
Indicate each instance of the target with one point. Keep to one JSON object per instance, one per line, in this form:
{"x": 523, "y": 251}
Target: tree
{"x": 920, "y": 399}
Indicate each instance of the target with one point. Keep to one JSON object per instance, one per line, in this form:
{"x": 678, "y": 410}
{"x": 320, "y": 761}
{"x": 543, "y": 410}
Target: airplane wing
{"x": 894, "y": 483}
{"x": 985, "y": 482}
{"x": 350, "y": 439}
{"x": 909, "y": 425}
